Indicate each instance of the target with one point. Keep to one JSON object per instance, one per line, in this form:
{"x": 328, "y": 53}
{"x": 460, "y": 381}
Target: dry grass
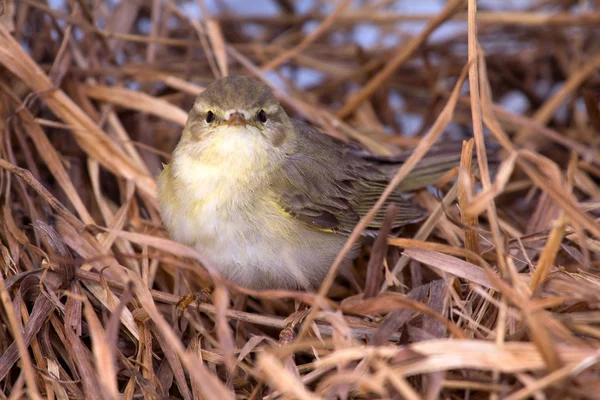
{"x": 495, "y": 295}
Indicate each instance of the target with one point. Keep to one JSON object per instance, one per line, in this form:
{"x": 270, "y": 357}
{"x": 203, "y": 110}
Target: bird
{"x": 269, "y": 200}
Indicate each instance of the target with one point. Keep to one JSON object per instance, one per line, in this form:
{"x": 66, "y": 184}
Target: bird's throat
{"x": 226, "y": 169}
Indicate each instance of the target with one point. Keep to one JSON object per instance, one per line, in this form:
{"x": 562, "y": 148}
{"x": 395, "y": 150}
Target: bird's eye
{"x": 210, "y": 117}
{"x": 262, "y": 116}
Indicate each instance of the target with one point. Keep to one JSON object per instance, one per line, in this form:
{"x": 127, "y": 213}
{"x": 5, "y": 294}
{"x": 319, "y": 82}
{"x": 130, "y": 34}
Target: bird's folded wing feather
{"x": 330, "y": 185}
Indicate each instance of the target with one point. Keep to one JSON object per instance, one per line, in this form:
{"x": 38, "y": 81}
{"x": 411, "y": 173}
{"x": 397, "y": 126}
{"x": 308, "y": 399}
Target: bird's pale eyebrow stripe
{"x": 198, "y": 107}
{"x": 270, "y": 109}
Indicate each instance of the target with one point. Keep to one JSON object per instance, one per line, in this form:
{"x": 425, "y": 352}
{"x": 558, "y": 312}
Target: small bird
{"x": 269, "y": 200}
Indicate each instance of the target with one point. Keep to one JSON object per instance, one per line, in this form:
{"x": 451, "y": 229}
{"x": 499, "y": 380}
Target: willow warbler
{"x": 270, "y": 200}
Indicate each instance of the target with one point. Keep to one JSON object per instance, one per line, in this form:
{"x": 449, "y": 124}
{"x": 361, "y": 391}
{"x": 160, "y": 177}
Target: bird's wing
{"x": 330, "y": 185}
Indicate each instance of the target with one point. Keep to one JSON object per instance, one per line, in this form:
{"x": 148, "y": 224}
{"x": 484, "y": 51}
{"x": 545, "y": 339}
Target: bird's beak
{"x": 237, "y": 119}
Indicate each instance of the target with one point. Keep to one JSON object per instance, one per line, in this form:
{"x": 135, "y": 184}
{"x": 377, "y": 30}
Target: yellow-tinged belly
{"x": 209, "y": 205}
{"x": 239, "y": 226}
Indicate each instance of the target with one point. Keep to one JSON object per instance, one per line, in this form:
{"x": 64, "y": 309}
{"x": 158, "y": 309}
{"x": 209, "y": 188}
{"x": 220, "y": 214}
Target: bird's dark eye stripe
{"x": 262, "y": 116}
{"x": 210, "y": 117}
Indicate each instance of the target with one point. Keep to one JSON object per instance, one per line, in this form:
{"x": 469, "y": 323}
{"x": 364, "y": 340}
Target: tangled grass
{"x": 495, "y": 295}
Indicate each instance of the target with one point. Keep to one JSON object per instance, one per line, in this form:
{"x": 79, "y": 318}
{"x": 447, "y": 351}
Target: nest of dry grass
{"x": 496, "y": 295}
